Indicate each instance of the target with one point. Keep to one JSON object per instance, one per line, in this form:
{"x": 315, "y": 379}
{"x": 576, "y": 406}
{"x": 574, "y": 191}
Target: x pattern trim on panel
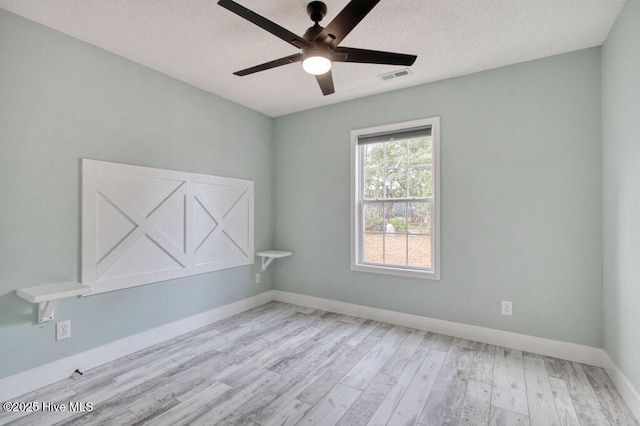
{"x": 143, "y": 225}
{"x": 221, "y": 221}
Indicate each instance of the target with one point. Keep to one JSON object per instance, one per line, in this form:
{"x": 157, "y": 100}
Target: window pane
{"x": 420, "y": 250}
{"x": 396, "y": 218}
{"x": 396, "y": 154}
{"x": 420, "y": 151}
{"x": 373, "y": 184}
{"x": 419, "y": 218}
{"x": 374, "y": 214}
{"x": 395, "y": 249}
{"x": 420, "y": 182}
{"x": 373, "y": 156}
{"x": 373, "y": 248}
{"x": 397, "y": 183}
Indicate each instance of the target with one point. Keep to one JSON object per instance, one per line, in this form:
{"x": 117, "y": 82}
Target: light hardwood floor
{"x": 284, "y": 364}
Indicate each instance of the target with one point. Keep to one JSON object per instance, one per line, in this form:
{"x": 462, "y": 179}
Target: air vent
{"x": 395, "y": 74}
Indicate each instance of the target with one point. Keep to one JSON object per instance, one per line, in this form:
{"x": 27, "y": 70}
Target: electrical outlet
{"x": 507, "y": 307}
{"x": 63, "y": 330}
{"x": 258, "y": 278}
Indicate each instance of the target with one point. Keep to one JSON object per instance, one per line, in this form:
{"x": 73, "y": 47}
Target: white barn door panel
{"x": 142, "y": 225}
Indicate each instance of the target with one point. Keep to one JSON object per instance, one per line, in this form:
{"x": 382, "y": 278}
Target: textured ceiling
{"x": 201, "y": 43}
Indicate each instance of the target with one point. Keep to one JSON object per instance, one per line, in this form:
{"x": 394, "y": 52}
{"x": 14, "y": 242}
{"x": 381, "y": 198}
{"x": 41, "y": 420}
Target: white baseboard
{"x": 554, "y": 348}
{"x": 624, "y": 386}
{"x": 27, "y": 381}
{"x": 30, "y": 380}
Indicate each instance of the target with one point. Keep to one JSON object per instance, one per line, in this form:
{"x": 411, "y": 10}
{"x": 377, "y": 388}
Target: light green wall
{"x": 62, "y": 100}
{"x": 521, "y": 199}
{"x": 621, "y": 191}
{"x": 521, "y": 191}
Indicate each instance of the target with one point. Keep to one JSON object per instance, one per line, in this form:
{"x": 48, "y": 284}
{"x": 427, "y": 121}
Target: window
{"x": 395, "y": 199}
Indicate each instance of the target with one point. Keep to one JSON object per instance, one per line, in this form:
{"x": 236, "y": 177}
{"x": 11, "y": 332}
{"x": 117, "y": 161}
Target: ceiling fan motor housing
{"x": 317, "y": 50}
{"x": 312, "y": 32}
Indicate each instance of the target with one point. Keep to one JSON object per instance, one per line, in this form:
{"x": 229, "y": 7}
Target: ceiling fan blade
{"x": 326, "y": 83}
{"x": 264, "y": 23}
{"x": 271, "y": 64}
{"x": 345, "y": 21}
{"x": 364, "y": 56}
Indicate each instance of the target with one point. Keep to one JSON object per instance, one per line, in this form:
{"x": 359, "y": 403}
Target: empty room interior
{"x": 441, "y": 226}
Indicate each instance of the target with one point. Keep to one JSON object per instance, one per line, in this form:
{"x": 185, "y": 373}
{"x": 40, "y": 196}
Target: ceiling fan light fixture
{"x": 316, "y": 65}
{"x": 316, "y": 61}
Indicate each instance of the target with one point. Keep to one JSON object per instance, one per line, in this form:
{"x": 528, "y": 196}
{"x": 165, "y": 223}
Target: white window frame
{"x": 356, "y": 189}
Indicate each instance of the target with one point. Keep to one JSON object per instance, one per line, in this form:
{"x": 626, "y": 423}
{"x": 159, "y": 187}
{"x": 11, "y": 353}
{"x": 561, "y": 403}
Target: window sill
{"x": 400, "y": 272}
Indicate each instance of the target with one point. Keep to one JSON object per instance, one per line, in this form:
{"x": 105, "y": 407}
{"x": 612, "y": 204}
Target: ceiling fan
{"x": 319, "y": 45}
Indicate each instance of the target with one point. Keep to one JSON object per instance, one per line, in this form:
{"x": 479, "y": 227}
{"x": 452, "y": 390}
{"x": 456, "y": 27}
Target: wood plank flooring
{"x": 281, "y": 364}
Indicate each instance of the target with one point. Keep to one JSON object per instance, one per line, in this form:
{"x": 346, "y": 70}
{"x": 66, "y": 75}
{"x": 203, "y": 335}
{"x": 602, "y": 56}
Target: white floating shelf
{"x": 269, "y": 255}
{"x": 45, "y": 294}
